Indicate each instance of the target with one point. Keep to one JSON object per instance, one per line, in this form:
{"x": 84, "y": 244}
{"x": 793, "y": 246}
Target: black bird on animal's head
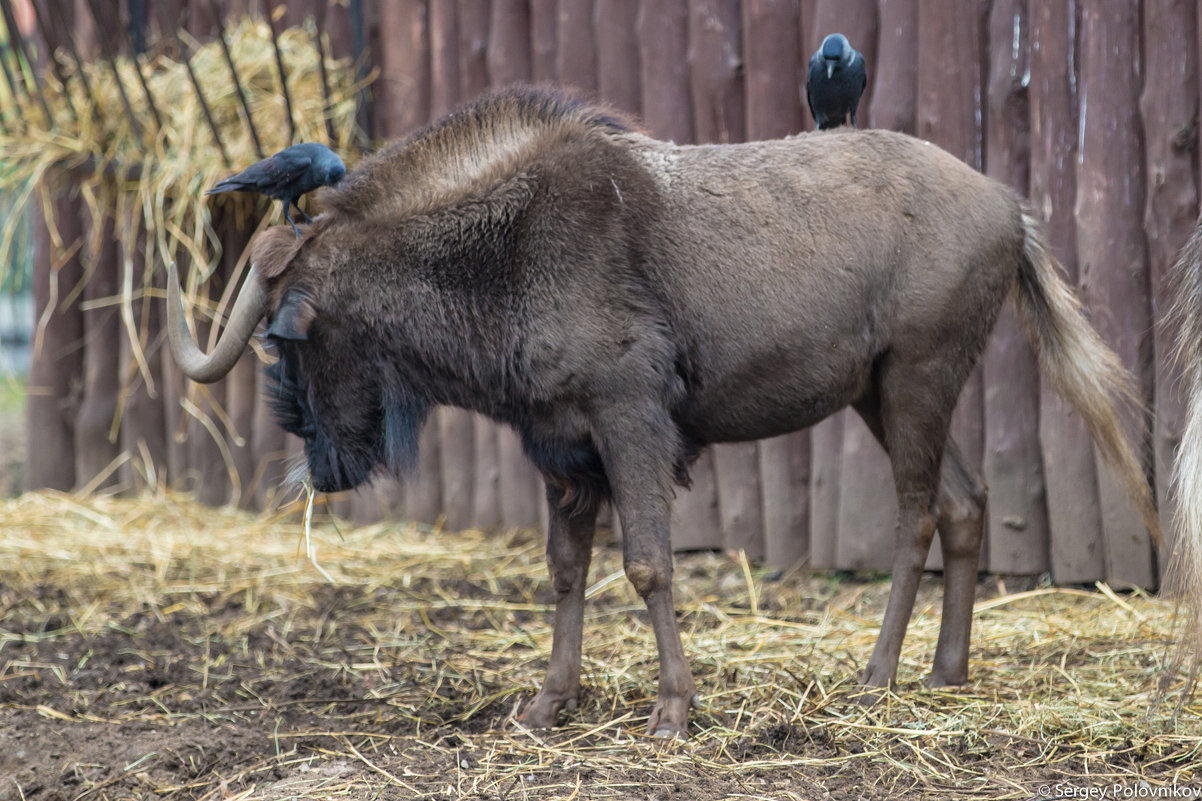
{"x": 287, "y": 175}
{"x": 837, "y": 79}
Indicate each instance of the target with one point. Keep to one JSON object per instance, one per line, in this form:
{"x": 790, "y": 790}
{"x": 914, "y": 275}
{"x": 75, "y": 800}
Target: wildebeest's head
{"x": 331, "y": 385}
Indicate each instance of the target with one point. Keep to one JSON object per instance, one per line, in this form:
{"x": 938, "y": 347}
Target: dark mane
{"x": 470, "y": 149}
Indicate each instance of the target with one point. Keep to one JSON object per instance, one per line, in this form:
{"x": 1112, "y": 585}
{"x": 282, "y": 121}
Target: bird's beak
{"x": 830, "y": 69}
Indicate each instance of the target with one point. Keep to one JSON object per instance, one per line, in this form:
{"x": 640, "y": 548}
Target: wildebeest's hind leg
{"x": 961, "y": 523}
{"x": 569, "y": 551}
{"x": 910, "y": 413}
{"x": 961, "y": 530}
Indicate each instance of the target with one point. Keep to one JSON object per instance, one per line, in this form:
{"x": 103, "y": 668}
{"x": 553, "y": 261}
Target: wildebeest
{"x": 287, "y": 175}
{"x": 623, "y": 302}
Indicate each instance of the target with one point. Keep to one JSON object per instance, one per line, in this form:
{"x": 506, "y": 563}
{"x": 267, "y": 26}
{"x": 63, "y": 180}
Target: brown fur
{"x": 624, "y": 302}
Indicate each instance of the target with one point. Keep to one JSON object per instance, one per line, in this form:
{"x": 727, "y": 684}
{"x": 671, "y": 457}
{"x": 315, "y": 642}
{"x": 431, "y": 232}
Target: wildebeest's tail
{"x": 1186, "y": 314}
{"x": 1083, "y": 370}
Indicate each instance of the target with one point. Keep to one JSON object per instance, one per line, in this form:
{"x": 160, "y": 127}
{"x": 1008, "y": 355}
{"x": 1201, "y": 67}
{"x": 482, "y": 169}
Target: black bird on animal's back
{"x": 836, "y": 80}
{"x": 287, "y": 175}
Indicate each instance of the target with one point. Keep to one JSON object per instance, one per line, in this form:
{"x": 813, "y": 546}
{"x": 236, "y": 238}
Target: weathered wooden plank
{"x": 473, "y": 42}
{"x": 894, "y": 78}
{"x": 509, "y": 51}
{"x": 268, "y": 444}
{"x": 715, "y": 70}
{"x": 544, "y": 22}
{"x": 95, "y": 449}
{"x": 1169, "y": 108}
{"x": 1111, "y": 246}
{"x": 56, "y": 358}
{"x": 576, "y": 47}
{"x": 443, "y": 26}
{"x": 826, "y": 484}
{"x": 240, "y": 393}
{"x": 1013, "y": 466}
{"x": 663, "y": 57}
{"x": 1069, "y": 471}
{"x": 618, "y": 69}
{"x": 867, "y": 502}
{"x": 772, "y": 62}
{"x": 143, "y": 433}
{"x": 402, "y": 92}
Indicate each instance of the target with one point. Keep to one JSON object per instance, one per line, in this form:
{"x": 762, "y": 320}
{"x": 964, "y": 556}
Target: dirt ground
{"x": 156, "y": 649}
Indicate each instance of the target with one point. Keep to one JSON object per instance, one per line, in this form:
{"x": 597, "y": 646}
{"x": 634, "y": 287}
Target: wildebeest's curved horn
{"x": 209, "y": 367}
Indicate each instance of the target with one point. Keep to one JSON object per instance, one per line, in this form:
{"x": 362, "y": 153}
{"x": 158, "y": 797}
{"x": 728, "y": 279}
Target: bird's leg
{"x": 308, "y": 219}
{"x": 288, "y": 217}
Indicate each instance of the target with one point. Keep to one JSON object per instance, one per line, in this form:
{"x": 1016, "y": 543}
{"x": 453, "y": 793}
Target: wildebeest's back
{"x": 793, "y": 264}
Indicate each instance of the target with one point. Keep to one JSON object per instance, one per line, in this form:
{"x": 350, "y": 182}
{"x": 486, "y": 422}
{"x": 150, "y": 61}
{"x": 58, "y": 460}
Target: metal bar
{"x": 22, "y": 51}
{"x": 229, "y": 60}
{"x": 319, "y": 19}
{"x": 55, "y": 67}
{"x": 279, "y": 62}
{"x": 65, "y": 25}
{"x": 106, "y": 52}
{"x": 137, "y": 45}
{"x": 200, "y": 95}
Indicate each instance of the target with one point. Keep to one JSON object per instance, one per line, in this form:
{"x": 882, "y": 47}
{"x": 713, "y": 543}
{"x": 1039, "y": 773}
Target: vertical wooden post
{"x": 663, "y": 57}
{"x": 715, "y": 70}
{"x": 95, "y": 449}
{"x": 56, "y": 360}
{"x": 402, "y": 92}
{"x": 240, "y": 391}
{"x": 544, "y": 24}
{"x": 1169, "y": 107}
{"x": 618, "y": 68}
{"x": 509, "y": 51}
{"x": 1111, "y": 247}
{"x": 576, "y": 47}
{"x": 894, "y": 77}
{"x": 1069, "y": 472}
{"x": 143, "y": 417}
{"x": 473, "y": 47}
{"x": 1018, "y": 523}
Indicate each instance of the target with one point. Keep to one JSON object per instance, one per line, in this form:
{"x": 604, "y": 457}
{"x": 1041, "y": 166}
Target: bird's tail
{"x": 228, "y": 185}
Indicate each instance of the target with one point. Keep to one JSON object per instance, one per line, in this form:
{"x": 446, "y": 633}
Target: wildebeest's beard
{"x": 352, "y": 423}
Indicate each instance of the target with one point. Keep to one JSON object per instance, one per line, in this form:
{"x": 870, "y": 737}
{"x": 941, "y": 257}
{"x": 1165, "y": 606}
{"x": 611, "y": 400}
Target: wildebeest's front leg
{"x": 569, "y": 551}
{"x": 637, "y": 448}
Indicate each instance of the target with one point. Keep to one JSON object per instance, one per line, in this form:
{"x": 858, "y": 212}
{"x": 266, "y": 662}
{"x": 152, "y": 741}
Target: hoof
{"x": 868, "y": 696}
{"x": 937, "y": 680}
{"x": 666, "y": 733}
{"x": 543, "y": 712}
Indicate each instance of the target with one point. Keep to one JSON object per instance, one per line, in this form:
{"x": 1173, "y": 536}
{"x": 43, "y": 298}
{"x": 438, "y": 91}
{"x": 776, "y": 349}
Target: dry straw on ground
{"x": 159, "y": 647}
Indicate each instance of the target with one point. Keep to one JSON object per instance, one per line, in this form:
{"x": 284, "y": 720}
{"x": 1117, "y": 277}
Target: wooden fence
{"x": 1088, "y": 107}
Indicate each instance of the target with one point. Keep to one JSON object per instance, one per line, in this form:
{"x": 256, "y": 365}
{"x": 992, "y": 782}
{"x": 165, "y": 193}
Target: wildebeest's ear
{"x": 274, "y": 250}
{"x": 293, "y": 316}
